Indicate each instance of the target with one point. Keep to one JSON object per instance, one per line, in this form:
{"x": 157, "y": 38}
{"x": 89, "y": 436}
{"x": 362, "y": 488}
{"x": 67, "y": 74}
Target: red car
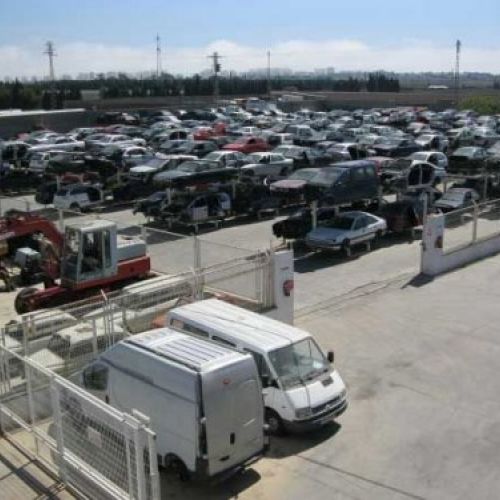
{"x": 248, "y": 145}
{"x": 207, "y": 133}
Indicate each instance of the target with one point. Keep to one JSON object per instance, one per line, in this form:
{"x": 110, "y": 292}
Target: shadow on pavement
{"x": 307, "y": 261}
{"x": 223, "y": 490}
{"x": 292, "y": 444}
{"x": 419, "y": 280}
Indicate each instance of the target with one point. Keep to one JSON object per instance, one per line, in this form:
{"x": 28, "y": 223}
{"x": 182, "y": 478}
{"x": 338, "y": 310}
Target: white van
{"x": 301, "y": 391}
{"x": 204, "y": 401}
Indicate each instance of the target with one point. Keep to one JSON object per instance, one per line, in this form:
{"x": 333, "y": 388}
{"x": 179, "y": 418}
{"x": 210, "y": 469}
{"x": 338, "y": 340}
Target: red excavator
{"x": 90, "y": 257}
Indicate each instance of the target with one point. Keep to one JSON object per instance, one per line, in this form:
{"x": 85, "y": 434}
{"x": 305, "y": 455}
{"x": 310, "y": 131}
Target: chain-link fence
{"x": 95, "y": 449}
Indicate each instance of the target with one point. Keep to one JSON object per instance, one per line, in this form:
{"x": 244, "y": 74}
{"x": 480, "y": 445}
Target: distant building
{"x": 438, "y": 87}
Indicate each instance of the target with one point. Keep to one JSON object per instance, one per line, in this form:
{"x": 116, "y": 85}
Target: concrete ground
{"x": 420, "y": 359}
{"x": 21, "y": 478}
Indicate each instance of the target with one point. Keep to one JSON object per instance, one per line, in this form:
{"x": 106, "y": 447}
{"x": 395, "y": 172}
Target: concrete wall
{"x": 62, "y": 121}
{"x": 282, "y": 273}
{"x": 435, "y": 261}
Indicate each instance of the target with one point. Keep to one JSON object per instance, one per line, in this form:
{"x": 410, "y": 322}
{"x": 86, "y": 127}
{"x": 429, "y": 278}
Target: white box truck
{"x": 204, "y": 401}
{"x": 301, "y": 390}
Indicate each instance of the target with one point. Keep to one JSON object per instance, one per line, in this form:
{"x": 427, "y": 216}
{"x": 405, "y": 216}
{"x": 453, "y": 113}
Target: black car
{"x": 467, "y": 159}
{"x": 151, "y": 206}
{"x": 344, "y": 183}
{"x": 396, "y": 148}
{"x": 300, "y": 223}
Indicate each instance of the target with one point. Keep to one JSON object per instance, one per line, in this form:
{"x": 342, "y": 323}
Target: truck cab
{"x": 301, "y": 390}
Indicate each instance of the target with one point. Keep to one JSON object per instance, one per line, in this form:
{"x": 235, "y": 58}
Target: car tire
{"x": 75, "y": 207}
{"x": 20, "y": 303}
{"x": 274, "y": 423}
{"x": 346, "y": 246}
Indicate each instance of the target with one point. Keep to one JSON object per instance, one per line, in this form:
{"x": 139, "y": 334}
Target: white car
{"x": 263, "y": 165}
{"x": 62, "y": 143}
{"x": 346, "y": 230}
{"x": 39, "y": 162}
{"x": 436, "y": 158}
{"x": 78, "y": 197}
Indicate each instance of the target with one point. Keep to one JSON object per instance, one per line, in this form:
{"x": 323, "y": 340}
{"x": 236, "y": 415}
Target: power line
{"x": 269, "y": 73}
{"x": 216, "y": 67}
{"x": 51, "y": 52}
{"x": 158, "y": 56}
{"x": 458, "y": 47}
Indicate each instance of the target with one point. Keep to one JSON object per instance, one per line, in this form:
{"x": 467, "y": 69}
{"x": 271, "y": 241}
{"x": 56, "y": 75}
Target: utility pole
{"x": 158, "y": 56}
{"x": 50, "y": 51}
{"x": 269, "y": 73}
{"x": 457, "y": 72}
{"x": 216, "y": 67}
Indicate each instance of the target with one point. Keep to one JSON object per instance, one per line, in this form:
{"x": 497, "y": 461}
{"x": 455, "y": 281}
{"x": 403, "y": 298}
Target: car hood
{"x": 316, "y": 393}
{"x": 234, "y": 146}
{"x": 143, "y": 169}
{"x": 288, "y": 184}
{"x": 171, "y": 174}
{"x": 448, "y": 204}
{"x": 326, "y": 233}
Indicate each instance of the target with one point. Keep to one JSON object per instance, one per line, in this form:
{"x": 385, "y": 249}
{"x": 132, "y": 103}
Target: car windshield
{"x": 191, "y": 167}
{"x": 284, "y": 150}
{"x": 155, "y": 162}
{"x": 401, "y": 164}
{"x": 254, "y": 158}
{"x": 419, "y": 156}
{"x": 328, "y": 176}
{"x": 344, "y": 223}
{"x": 453, "y": 196}
{"x": 298, "y": 363}
{"x": 425, "y": 138}
{"x": 464, "y": 152}
{"x": 214, "y": 156}
{"x": 303, "y": 175}
{"x": 158, "y": 196}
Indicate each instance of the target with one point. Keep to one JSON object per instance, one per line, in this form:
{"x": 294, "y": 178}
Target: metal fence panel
{"x": 97, "y": 450}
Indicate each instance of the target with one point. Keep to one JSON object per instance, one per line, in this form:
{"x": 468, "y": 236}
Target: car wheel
{"x": 21, "y": 304}
{"x": 274, "y": 422}
{"x": 346, "y": 247}
{"x": 75, "y": 207}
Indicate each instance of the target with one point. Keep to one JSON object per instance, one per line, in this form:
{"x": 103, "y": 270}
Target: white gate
{"x": 96, "y": 450}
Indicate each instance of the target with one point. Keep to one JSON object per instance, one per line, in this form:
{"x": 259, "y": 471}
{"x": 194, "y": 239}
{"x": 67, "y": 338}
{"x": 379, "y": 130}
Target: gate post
{"x": 54, "y": 394}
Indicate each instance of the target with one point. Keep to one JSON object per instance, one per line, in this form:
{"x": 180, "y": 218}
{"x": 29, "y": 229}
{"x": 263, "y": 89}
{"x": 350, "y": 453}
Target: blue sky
{"x": 420, "y": 33}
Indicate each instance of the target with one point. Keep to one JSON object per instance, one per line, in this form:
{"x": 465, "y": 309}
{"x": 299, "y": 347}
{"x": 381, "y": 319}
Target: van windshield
{"x": 298, "y": 363}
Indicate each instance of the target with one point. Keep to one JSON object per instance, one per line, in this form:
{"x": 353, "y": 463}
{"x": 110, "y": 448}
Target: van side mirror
{"x": 265, "y": 380}
{"x": 330, "y": 356}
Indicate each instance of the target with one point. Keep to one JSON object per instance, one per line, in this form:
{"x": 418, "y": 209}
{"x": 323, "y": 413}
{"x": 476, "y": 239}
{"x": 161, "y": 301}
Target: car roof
{"x": 199, "y": 354}
{"x": 253, "y": 329}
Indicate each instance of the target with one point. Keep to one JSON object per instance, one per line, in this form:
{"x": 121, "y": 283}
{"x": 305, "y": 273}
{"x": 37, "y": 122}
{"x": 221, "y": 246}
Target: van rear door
{"x": 234, "y": 416}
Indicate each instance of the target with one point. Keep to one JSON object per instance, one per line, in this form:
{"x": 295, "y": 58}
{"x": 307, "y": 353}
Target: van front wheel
{"x": 274, "y": 422}
{"x": 174, "y": 465}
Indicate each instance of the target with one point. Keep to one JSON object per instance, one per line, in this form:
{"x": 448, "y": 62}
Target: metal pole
{"x": 197, "y": 253}
{"x": 61, "y": 219}
{"x": 54, "y": 393}
{"x": 474, "y": 226}
{"x": 314, "y": 213}
{"x": 153, "y": 465}
{"x": 31, "y": 406}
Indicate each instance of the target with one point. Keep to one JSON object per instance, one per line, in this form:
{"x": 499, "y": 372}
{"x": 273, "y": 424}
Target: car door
{"x": 360, "y": 230}
{"x": 198, "y": 210}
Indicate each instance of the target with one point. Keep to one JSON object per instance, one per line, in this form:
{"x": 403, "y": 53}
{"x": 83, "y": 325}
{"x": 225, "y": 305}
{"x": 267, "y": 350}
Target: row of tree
{"x": 46, "y": 95}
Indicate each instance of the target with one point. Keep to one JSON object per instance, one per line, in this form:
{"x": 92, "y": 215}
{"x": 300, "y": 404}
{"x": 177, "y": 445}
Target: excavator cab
{"x": 89, "y": 252}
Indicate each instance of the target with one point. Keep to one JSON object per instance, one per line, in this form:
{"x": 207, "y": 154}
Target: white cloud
{"x": 411, "y": 55}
